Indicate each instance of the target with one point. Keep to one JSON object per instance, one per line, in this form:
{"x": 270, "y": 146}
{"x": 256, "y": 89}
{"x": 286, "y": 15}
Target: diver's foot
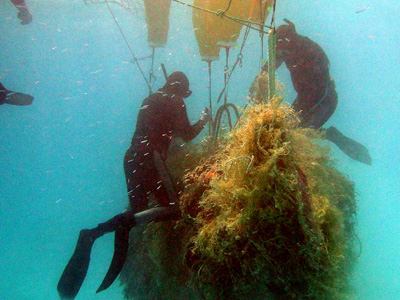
{"x": 24, "y": 15}
{"x": 350, "y": 147}
{"x": 75, "y": 272}
{"x": 18, "y": 99}
{"x": 121, "y": 246}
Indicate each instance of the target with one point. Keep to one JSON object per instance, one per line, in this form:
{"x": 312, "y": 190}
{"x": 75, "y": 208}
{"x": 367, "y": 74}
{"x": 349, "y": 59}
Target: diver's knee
{"x": 156, "y": 214}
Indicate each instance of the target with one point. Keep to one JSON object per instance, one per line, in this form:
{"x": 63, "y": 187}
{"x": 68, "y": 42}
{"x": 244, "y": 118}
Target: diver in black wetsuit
{"x": 162, "y": 116}
{"x": 309, "y": 69}
{"x": 316, "y": 98}
{"x": 23, "y": 13}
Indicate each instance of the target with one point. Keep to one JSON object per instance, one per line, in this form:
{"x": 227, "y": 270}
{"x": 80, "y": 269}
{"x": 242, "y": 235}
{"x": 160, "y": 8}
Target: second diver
{"x": 162, "y": 116}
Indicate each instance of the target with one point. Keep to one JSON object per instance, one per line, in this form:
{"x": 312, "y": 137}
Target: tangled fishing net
{"x": 134, "y": 6}
{"x": 267, "y": 216}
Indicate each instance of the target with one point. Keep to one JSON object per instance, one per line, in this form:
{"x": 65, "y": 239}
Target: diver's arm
{"x": 193, "y": 131}
{"x": 278, "y": 62}
{"x": 182, "y": 125}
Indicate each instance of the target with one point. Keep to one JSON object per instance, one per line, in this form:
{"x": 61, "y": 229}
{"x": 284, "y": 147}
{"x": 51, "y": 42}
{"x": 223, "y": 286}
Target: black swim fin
{"x": 121, "y": 246}
{"x": 121, "y": 242}
{"x": 352, "y": 148}
{"x": 75, "y": 272}
{"x": 19, "y": 99}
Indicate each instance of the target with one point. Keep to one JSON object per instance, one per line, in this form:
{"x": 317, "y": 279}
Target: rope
{"x": 273, "y": 16}
{"x": 261, "y": 33}
{"x": 134, "y": 8}
{"x": 271, "y": 63}
{"x": 129, "y": 47}
{"x": 221, "y": 13}
{"x": 210, "y": 124}
{"x": 151, "y": 72}
{"x": 238, "y": 61}
{"x": 139, "y": 59}
{"x": 164, "y": 72}
{"x": 272, "y": 55}
{"x": 218, "y": 117}
{"x": 226, "y": 72}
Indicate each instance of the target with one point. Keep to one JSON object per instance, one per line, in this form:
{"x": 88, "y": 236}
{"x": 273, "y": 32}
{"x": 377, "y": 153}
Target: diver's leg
{"x": 123, "y": 220}
{"x": 143, "y": 179}
{"x": 168, "y": 193}
{"x": 23, "y": 14}
{"x": 128, "y": 220}
{"x": 75, "y": 272}
{"x": 318, "y": 115}
{"x": 134, "y": 164}
{"x": 160, "y": 191}
{"x": 300, "y": 106}
{"x": 325, "y": 111}
{"x": 150, "y": 182}
{"x": 121, "y": 243}
{"x": 162, "y": 188}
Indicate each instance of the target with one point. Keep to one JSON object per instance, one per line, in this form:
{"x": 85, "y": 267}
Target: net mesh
{"x": 136, "y": 7}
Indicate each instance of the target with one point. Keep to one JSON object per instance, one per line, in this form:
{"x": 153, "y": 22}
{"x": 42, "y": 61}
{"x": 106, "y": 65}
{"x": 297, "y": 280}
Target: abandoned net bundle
{"x": 265, "y": 216}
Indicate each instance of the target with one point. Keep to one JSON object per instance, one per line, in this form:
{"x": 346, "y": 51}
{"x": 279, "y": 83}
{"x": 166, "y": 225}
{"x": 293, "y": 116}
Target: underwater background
{"x": 61, "y": 157}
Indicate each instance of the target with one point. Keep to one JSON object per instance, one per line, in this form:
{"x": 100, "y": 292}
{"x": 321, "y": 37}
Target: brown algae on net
{"x": 265, "y": 216}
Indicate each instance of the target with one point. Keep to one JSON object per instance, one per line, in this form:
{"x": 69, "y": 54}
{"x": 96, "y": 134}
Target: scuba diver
{"x": 162, "y": 116}
{"x": 14, "y": 98}
{"x": 316, "y": 98}
{"x": 23, "y": 13}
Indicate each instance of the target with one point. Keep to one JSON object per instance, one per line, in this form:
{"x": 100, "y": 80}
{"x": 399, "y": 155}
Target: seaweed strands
{"x": 278, "y": 225}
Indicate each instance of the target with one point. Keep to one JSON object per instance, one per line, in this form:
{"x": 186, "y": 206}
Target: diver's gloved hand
{"x": 24, "y": 15}
{"x": 206, "y": 115}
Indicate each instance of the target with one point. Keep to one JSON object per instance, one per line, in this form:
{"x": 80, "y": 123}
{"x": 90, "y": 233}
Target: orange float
{"x": 259, "y": 11}
{"x": 228, "y": 30}
{"x": 157, "y": 19}
{"x": 205, "y": 29}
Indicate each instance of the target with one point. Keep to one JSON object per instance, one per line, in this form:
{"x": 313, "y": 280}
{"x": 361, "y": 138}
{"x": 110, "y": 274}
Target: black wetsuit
{"x": 161, "y": 117}
{"x": 309, "y": 70}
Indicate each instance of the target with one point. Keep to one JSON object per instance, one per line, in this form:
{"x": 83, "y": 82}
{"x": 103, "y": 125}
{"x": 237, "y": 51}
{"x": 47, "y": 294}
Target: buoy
{"x": 204, "y": 26}
{"x": 157, "y": 19}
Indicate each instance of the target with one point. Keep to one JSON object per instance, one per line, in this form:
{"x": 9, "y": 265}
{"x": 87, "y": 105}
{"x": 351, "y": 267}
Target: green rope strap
{"x": 271, "y": 63}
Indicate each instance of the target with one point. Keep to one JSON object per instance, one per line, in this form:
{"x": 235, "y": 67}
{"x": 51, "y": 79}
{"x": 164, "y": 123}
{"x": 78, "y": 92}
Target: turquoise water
{"x": 61, "y": 158}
